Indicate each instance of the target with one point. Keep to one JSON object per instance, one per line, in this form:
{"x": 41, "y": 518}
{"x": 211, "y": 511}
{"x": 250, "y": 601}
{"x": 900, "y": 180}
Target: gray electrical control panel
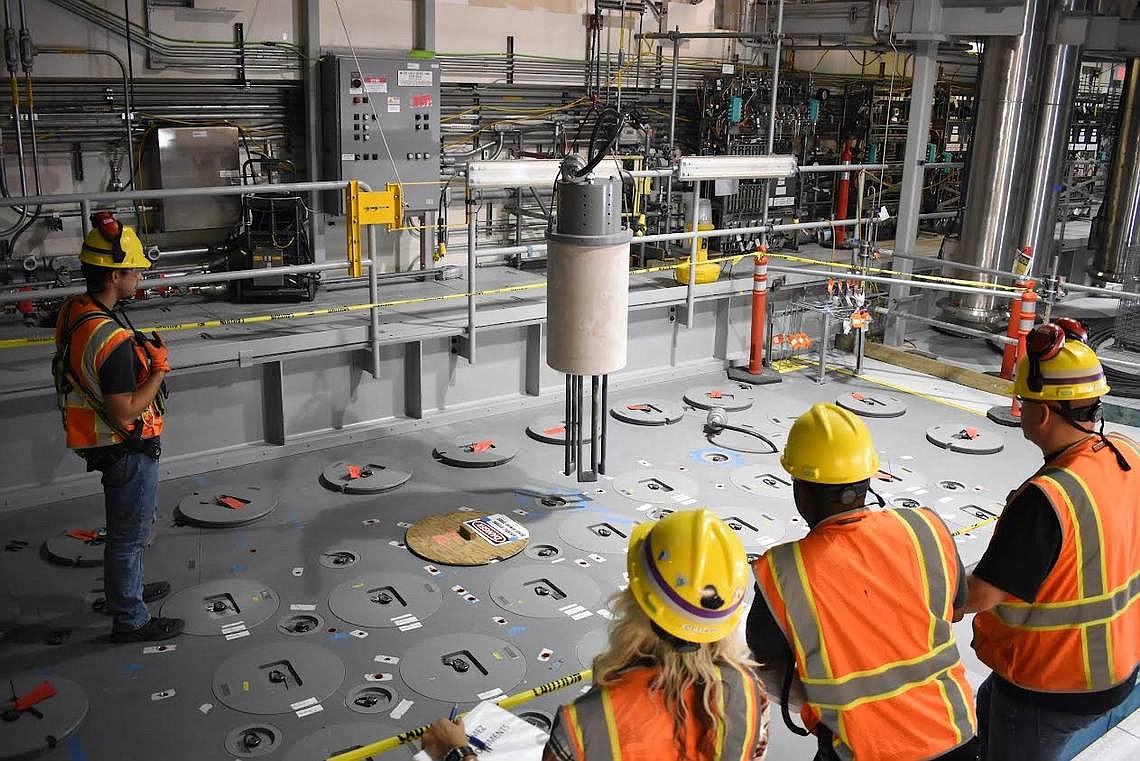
{"x": 392, "y": 90}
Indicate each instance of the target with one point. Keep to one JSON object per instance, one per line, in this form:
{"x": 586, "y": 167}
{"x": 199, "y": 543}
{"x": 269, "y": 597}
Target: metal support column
{"x": 413, "y": 384}
{"x": 533, "y": 377}
{"x": 312, "y": 48}
{"x": 914, "y": 164}
{"x": 423, "y": 24}
{"x": 273, "y": 402}
{"x": 695, "y": 244}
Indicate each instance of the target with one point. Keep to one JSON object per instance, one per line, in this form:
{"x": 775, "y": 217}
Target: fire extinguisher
{"x": 841, "y": 196}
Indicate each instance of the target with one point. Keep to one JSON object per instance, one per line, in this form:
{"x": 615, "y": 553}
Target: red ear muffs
{"x": 1043, "y": 343}
{"x": 112, "y": 232}
{"x": 1074, "y": 330}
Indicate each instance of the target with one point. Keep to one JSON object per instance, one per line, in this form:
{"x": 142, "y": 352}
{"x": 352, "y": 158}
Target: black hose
{"x": 785, "y": 694}
{"x": 1123, "y": 383}
{"x": 712, "y": 431}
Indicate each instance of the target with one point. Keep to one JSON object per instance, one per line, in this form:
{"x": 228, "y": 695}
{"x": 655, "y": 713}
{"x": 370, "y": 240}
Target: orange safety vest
{"x": 865, "y": 601}
{"x": 1082, "y": 633}
{"x": 627, "y": 720}
{"x": 92, "y": 336}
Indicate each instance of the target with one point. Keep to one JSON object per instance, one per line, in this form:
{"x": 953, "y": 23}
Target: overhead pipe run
{"x": 1119, "y": 218}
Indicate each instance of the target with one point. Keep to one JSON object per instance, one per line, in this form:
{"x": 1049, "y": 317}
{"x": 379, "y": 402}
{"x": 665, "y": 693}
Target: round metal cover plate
{"x": 870, "y": 404}
{"x": 894, "y": 478}
{"x": 660, "y": 486}
{"x": 965, "y": 439}
{"x": 368, "y": 476}
{"x": 226, "y": 505}
{"x": 647, "y": 412}
{"x": 593, "y": 643}
{"x": 334, "y": 739}
{"x": 766, "y": 481}
{"x": 595, "y": 531}
{"x": 211, "y": 608}
{"x": 758, "y": 529}
{"x": 61, "y": 715}
{"x": 342, "y": 556}
{"x": 458, "y": 668}
{"x": 477, "y": 450}
{"x": 253, "y": 740}
{"x": 375, "y": 599}
{"x": 300, "y": 624}
{"x": 551, "y": 429}
{"x": 76, "y": 550}
{"x": 729, "y": 396}
{"x": 269, "y": 679}
{"x": 541, "y": 591}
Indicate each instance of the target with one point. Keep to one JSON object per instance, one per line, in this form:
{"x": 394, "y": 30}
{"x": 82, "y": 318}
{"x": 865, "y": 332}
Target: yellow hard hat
{"x": 688, "y": 573}
{"x": 1058, "y": 366}
{"x": 829, "y": 445}
{"x": 112, "y": 245}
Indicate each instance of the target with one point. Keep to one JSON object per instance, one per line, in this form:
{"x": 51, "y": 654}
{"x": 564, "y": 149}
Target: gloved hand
{"x": 156, "y": 351}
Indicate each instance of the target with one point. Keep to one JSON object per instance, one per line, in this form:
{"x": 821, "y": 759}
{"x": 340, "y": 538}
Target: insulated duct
{"x": 1119, "y": 215}
{"x": 996, "y": 187}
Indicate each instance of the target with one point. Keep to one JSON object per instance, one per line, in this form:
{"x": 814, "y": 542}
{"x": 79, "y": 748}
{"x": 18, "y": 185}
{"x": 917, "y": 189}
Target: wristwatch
{"x": 462, "y": 753}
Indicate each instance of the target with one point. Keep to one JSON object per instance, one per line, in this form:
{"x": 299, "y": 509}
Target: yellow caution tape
{"x": 383, "y": 746}
{"x": 12, "y": 343}
{"x": 980, "y": 524}
{"x": 901, "y": 275}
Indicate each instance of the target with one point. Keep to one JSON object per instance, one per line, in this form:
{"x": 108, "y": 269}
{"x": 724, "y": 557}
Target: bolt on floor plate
{"x": 767, "y": 481}
{"x": 477, "y": 450}
{"x": 731, "y": 397}
{"x": 374, "y": 599}
{"x": 212, "y": 608}
{"x": 964, "y": 439}
{"x": 59, "y": 716}
{"x": 226, "y": 505}
{"x": 460, "y": 668}
{"x": 365, "y": 476}
{"x": 270, "y": 679}
{"x": 659, "y": 486}
{"x": 650, "y": 412}
{"x": 870, "y": 404}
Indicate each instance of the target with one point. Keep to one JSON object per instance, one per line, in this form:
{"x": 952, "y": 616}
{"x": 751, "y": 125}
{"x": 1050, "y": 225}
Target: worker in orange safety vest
{"x": 861, "y": 609}
{"x": 1056, "y": 590}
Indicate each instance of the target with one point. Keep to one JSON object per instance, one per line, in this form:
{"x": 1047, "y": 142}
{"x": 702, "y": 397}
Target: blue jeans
{"x": 129, "y": 489}
{"x": 1014, "y": 730}
{"x": 1101, "y": 724}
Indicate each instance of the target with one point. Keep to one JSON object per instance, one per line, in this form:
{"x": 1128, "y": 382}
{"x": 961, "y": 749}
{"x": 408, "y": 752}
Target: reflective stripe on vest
{"x": 592, "y": 727}
{"x": 831, "y": 695}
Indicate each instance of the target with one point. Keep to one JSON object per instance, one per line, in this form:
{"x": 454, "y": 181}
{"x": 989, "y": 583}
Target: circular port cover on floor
{"x": 894, "y": 478}
{"x": 23, "y": 733}
{"x": 365, "y": 476}
{"x": 300, "y": 624}
{"x": 965, "y": 439}
{"x": 341, "y": 556}
{"x": 462, "y": 668}
{"x": 757, "y": 529}
{"x": 593, "y": 643}
{"x": 767, "y": 481}
{"x": 253, "y": 740}
{"x": 82, "y": 547}
{"x": 659, "y": 486}
{"x": 371, "y": 698}
{"x": 647, "y": 412}
{"x": 477, "y": 450}
{"x": 445, "y": 539}
{"x": 551, "y": 429}
{"x": 543, "y": 590}
{"x": 271, "y": 679}
{"x": 728, "y": 396}
{"x": 226, "y": 505}
{"x": 385, "y": 600}
{"x": 595, "y": 531}
{"x": 335, "y": 739}
{"x": 870, "y": 404}
{"x": 215, "y": 608}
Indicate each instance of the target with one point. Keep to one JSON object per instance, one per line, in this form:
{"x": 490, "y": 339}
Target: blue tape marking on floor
{"x": 131, "y": 668}
{"x": 75, "y": 749}
{"x": 338, "y": 635}
{"x": 237, "y": 568}
{"x": 515, "y": 631}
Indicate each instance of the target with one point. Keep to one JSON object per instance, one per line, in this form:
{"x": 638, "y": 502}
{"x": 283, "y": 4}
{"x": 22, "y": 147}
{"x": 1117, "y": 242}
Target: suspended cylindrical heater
{"x": 587, "y": 304}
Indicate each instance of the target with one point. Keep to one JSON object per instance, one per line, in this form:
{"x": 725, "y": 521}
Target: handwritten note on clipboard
{"x": 508, "y": 737}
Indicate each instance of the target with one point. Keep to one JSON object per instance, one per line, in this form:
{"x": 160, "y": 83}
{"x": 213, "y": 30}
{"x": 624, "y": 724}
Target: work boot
{"x": 152, "y": 592}
{"x": 154, "y": 630}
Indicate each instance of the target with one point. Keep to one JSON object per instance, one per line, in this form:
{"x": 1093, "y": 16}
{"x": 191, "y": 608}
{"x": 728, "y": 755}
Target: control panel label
{"x": 412, "y": 78}
{"x": 375, "y": 84}
{"x": 393, "y": 104}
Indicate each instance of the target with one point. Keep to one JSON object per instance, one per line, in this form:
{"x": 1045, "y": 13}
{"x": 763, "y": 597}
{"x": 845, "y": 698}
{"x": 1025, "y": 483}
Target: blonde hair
{"x": 633, "y": 643}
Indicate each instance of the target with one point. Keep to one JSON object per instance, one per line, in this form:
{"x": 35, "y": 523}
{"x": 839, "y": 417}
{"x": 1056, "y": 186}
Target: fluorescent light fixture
{"x": 739, "y": 167}
{"x": 513, "y": 174}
